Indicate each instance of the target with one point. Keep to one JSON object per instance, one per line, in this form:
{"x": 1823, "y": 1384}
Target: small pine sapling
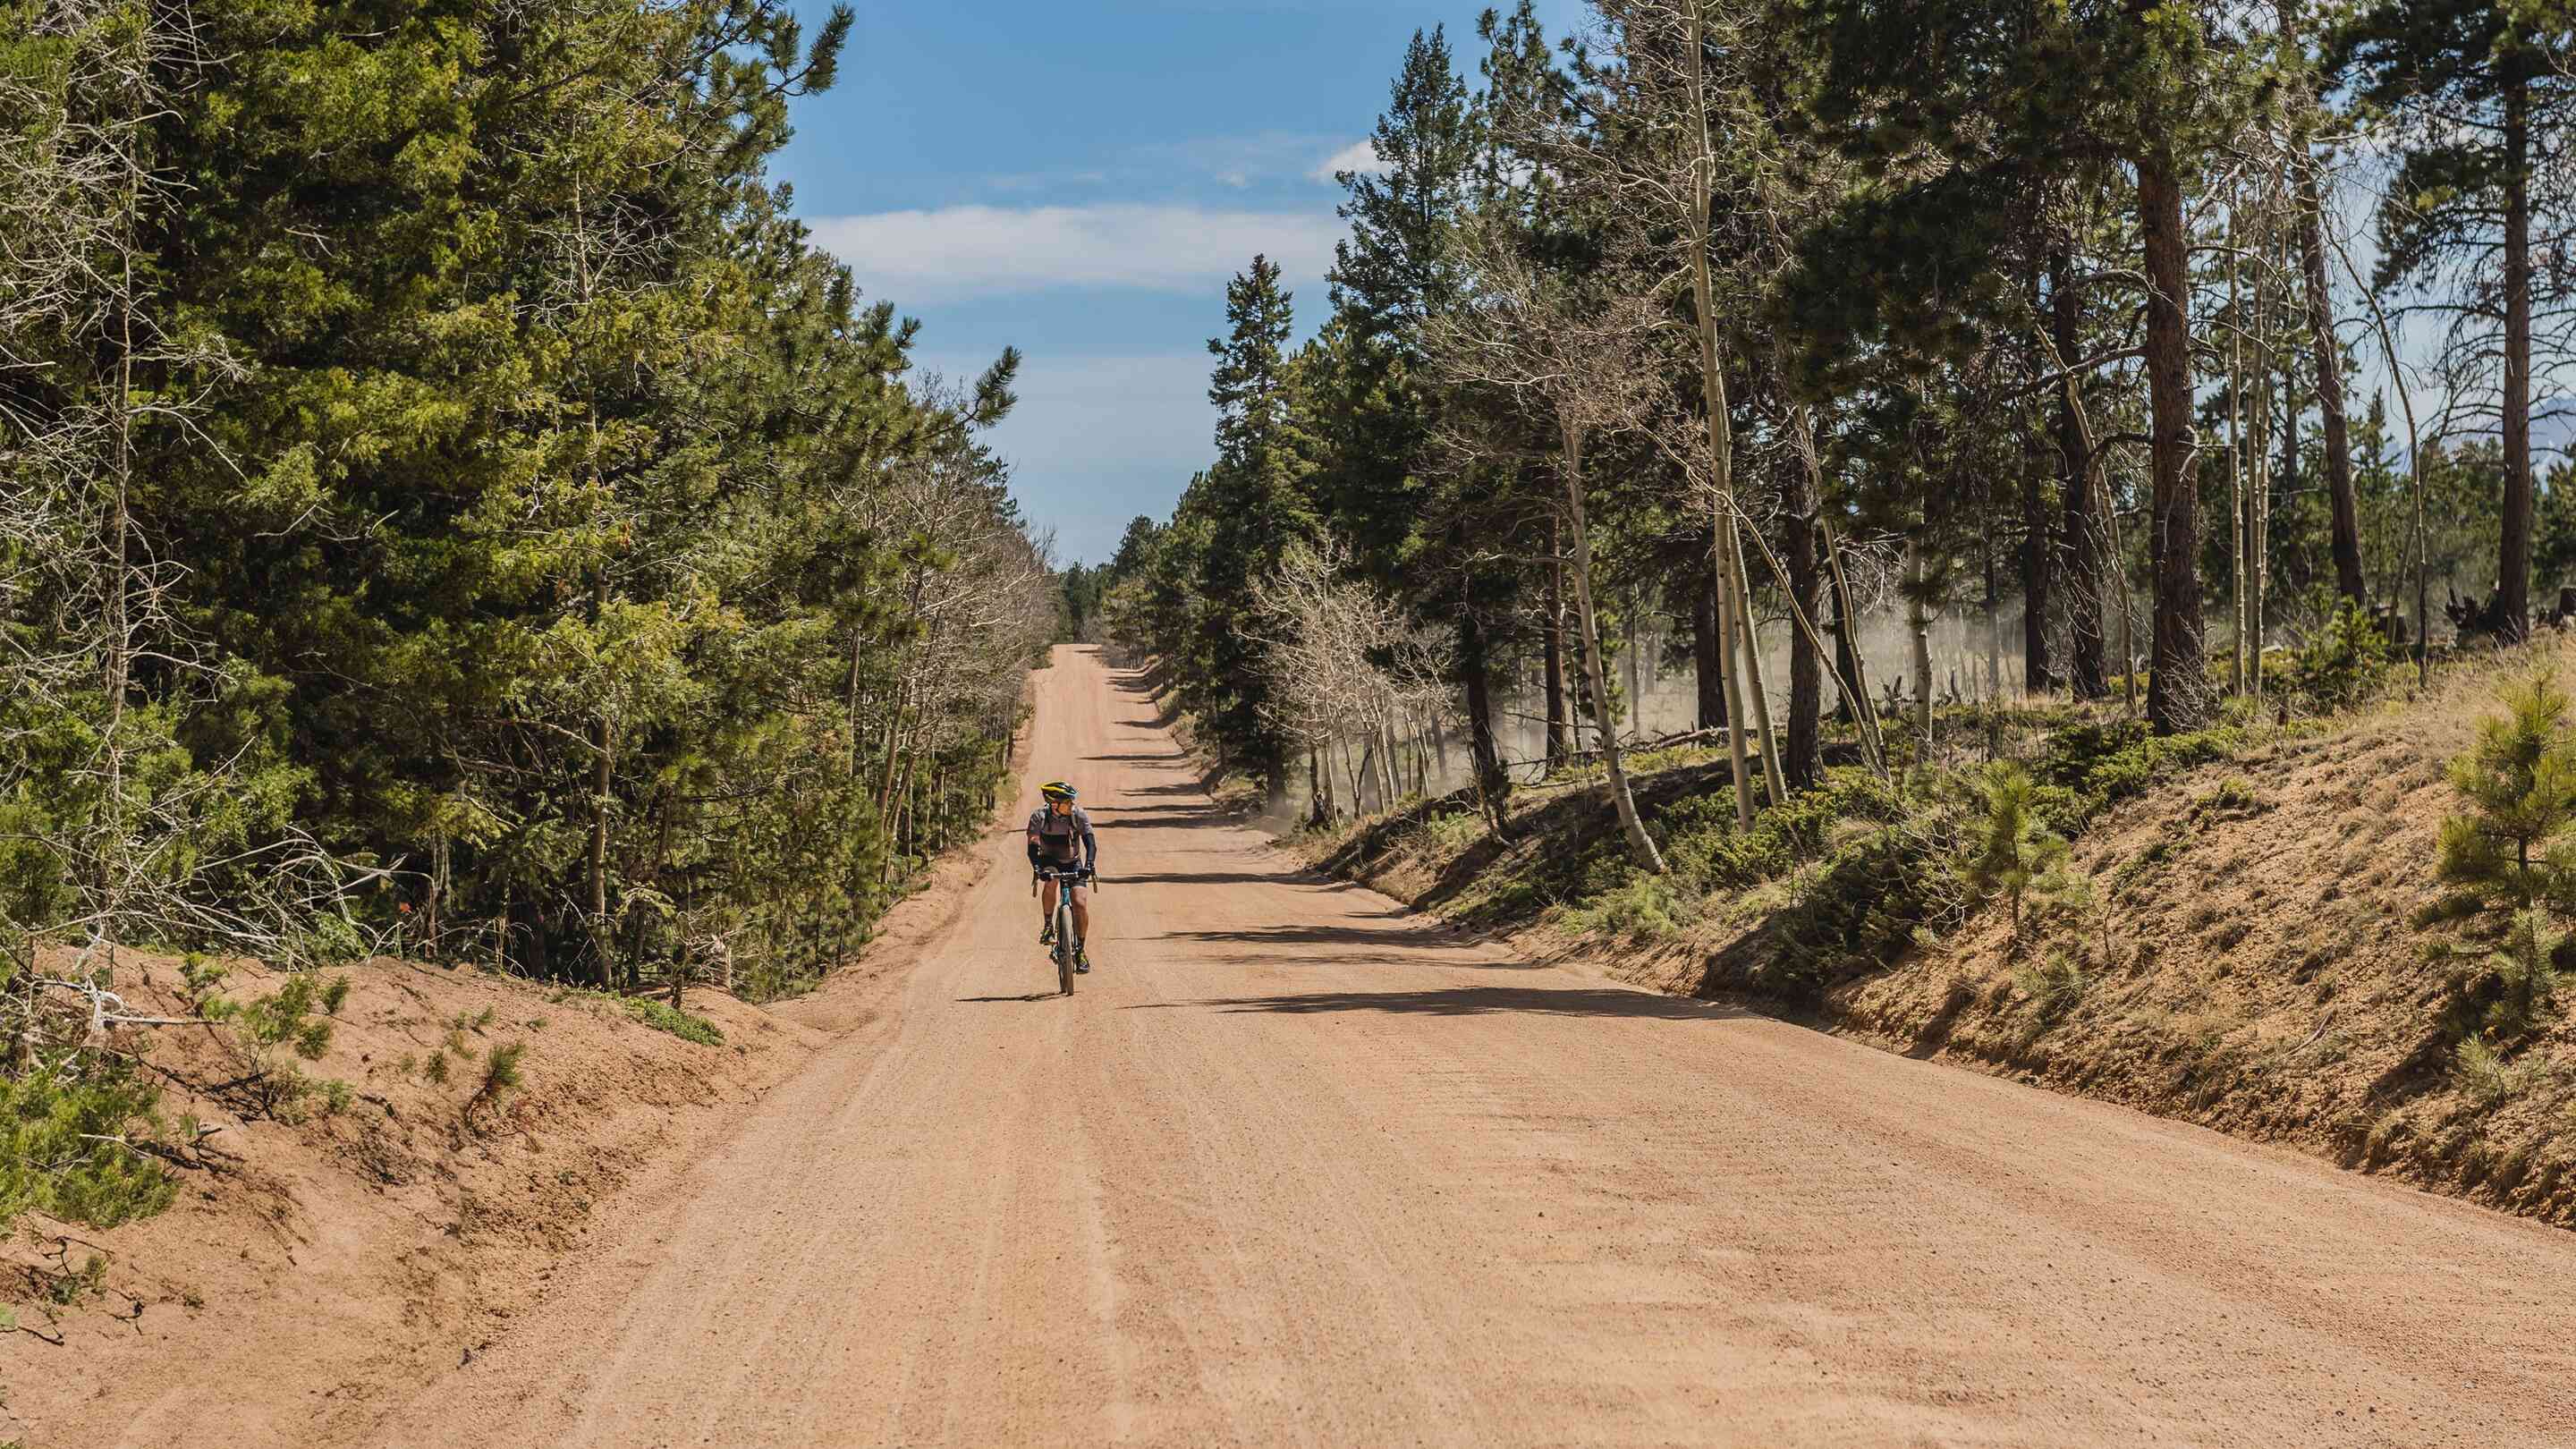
{"x": 2513, "y": 848}
{"x": 500, "y": 1074}
{"x": 2011, "y": 847}
{"x": 2520, "y": 780}
{"x": 2527, "y": 969}
{"x": 269, "y": 1029}
{"x": 2338, "y": 664}
{"x": 2482, "y": 1072}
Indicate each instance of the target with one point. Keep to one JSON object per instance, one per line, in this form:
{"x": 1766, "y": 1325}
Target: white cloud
{"x": 1359, "y": 156}
{"x": 922, "y": 257}
{"x": 1097, "y": 439}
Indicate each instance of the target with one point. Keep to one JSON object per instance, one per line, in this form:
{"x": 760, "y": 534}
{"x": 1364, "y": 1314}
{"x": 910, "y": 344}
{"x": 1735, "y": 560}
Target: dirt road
{"x": 1294, "y": 1168}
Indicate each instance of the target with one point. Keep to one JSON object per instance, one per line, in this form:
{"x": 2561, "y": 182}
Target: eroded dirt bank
{"x": 314, "y": 1266}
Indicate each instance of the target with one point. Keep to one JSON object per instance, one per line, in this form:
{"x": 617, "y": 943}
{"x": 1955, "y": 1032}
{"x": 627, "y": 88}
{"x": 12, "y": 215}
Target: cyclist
{"x": 1057, "y": 833}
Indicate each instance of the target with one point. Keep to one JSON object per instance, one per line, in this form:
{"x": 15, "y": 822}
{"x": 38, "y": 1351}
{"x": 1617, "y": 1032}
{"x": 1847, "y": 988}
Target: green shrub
{"x": 200, "y": 975}
{"x": 1645, "y": 908}
{"x": 281, "y": 1018}
{"x": 2343, "y": 661}
{"x": 2482, "y": 1072}
{"x": 2523, "y": 979}
{"x": 1702, "y": 845}
{"x": 2232, "y": 798}
{"x": 662, "y": 1016}
{"x": 65, "y": 1128}
{"x": 2512, "y": 848}
{"x": 500, "y": 1076}
{"x": 501, "y": 1068}
{"x": 2100, "y": 765}
{"x": 2054, "y": 985}
{"x": 1863, "y": 908}
{"x": 271, "y": 1031}
{"x": 1448, "y": 836}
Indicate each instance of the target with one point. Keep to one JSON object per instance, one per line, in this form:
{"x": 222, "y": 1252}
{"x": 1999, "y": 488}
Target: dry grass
{"x": 2288, "y": 961}
{"x": 2272, "y": 955}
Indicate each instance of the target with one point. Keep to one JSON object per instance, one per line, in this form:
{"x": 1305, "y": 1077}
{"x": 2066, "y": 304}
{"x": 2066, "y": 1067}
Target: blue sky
{"x": 1079, "y": 181}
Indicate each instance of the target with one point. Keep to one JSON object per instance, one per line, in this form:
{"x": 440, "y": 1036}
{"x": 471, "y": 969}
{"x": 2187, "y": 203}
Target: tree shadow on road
{"x": 1419, "y": 945}
{"x": 1321, "y": 935}
{"x": 1031, "y": 996}
{"x": 1161, "y": 817}
{"x": 1474, "y": 1001}
{"x": 1235, "y": 877}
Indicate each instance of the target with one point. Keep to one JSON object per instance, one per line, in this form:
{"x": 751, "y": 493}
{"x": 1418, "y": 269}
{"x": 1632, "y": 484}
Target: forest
{"x": 449, "y": 508}
{"x": 2186, "y": 364}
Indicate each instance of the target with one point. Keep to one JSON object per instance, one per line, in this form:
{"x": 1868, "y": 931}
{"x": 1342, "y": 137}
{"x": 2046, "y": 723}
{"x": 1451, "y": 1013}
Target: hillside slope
{"x": 318, "y": 1257}
{"x": 2268, "y": 951}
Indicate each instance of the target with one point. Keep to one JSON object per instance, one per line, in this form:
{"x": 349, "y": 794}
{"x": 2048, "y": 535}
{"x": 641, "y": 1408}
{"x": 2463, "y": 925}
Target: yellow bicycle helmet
{"x": 1056, "y": 790}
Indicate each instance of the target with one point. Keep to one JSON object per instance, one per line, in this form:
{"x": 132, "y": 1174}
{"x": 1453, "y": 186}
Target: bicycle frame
{"x": 1068, "y": 948}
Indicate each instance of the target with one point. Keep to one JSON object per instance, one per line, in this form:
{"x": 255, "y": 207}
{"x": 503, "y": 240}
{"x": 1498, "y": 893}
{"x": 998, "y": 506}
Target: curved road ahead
{"x": 1293, "y": 1167}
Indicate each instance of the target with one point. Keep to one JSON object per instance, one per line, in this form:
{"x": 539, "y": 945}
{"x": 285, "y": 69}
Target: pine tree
{"x": 1253, "y": 503}
{"x": 2042, "y": 95}
{"x": 2479, "y": 103}
{"x": 1400, "y": 264}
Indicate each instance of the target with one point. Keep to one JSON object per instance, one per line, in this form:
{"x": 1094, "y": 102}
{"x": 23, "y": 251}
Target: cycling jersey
{"x": 1058, "y": 837}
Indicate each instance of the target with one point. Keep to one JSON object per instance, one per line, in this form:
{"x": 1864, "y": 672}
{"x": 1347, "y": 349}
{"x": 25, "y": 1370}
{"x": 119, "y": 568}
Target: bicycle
{"x": 1068, "y": 947}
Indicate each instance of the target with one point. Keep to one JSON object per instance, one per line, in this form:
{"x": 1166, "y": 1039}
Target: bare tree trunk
{"x": 1994, "y": 621}
{"x": 120, "y": 597}
{"x": 2236, "y": 454}
{"x": 1475, "y": 663}
{"x": 2513, "y": 565}
{"x": 1636, "y": 687}
{"x": 2178, "y": 697}
{"x": 2338, "y": 432}
{"x": 2310, "y": 203}
{"x": 2258, "y": 503}
{"x": 2034, "y": 572}
{"x": 1846, "y": 661}
{"x": 2415, "y": 464}
{"x": 1710, "y": 680}
{"x": 602, "y": 782}
{"x": 1640, "y": 844}
{"x": 1918, "y": 623}
{"x": 1713, "y": 390}
{"x": 1560, "y": 743}
{"x": 2086, "y": 595}
{"x": 1855, "y": 670}
{"x": 1804, "y": 762}
{"x": 856, "y": 644}
{"x": 1754, "y": 684}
